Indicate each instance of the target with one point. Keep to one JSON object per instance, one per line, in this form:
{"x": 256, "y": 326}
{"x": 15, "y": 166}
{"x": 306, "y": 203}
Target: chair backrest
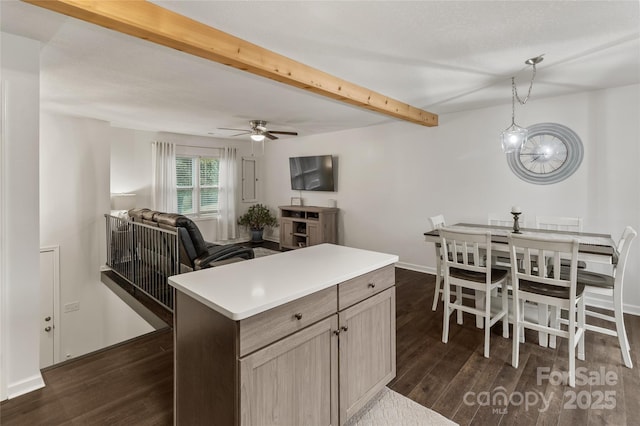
{"x": 623, "y": 252}
{"x": 533, "y": 257}
{"x": 437, "y": 221}
{"x": 192, "y": 243}
{"x": 190, "y": 236}
{"x": 504, "y": 220}
{"x": 558, "y": 223}
{"x": 465, "y": 250}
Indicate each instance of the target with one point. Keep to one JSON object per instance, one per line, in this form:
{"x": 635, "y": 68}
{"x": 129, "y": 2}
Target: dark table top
{"x": 591, "y": 243}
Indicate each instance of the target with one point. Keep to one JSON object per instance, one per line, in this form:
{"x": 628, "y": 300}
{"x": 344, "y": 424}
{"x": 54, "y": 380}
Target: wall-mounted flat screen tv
{"x": 313, "y": 173}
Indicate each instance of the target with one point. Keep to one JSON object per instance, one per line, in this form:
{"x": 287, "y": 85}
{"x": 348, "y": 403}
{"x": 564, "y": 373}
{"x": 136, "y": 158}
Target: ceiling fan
{"x": 259, "y": 131}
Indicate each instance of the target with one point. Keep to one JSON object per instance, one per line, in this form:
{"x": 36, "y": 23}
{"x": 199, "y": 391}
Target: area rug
{"x": 389, "y": 408}
{"x": 261, "y": 252}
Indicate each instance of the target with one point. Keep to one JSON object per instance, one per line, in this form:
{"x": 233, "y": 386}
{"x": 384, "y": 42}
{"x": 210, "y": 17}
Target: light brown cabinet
{"x": 311, "y": 361}
{"x": 302, "y": 226}
{"x": 367, "y": 350}
{"x": 293, "y": 381}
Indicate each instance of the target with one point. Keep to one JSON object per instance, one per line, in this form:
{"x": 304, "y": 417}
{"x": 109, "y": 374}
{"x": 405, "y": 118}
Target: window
{"x": 197, "y": 184}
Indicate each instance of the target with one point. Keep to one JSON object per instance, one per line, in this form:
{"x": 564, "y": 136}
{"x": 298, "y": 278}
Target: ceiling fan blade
{"x": 239, "y": 130}
{"x": 283, "y": 133}
{"x": 269, "y": 135}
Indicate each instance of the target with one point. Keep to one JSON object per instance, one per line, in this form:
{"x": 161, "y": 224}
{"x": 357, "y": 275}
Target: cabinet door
{"x": 286, "y": 233}
{"x": 314, "y": 234}
{"x": 294, "y": 381}
{"x": 249, "y": 179}
{"x": 367, "y": 350}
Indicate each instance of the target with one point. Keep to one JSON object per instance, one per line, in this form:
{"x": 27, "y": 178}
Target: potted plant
{"x": 256, "y": 219}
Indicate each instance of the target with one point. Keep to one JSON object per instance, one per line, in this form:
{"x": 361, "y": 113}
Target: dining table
{"x": 592, "y": 247}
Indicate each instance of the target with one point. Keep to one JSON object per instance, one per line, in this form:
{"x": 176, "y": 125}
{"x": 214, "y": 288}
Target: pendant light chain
{"x": 515, "y": 89}
{"x": 513, "y": 100}
{"x": 514, "y": 136}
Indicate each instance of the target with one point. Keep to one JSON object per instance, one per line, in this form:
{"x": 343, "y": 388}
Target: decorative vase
{"x": 256, "y": 235}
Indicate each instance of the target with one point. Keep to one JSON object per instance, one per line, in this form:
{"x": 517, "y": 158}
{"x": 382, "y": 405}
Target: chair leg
{"x": 581, "y": 321}
{"x": 459, "y": 300}
{"x": 447, "y": 312}
{"x": 543, "y": 319}
{"x": 487, "y": 323}
{"x": 555, "y": 323}
{"x": 505, "y": 309}
{"x": 480, "y": 298}
{"x": 439, "y": 282}
{"x": 622, "y": 333}
{"x": 572, "y": 347}
{"x": 521, "y": 318}
{"x": 515, "y": 344}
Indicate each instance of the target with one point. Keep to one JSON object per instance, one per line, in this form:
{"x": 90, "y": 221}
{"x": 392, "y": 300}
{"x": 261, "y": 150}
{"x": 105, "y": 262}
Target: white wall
{"x": 74, "y": 196}
{"x": 19, "y": 276}
{"x": 130, "y": 157}
{"x": 131, "y": 166}
{"x": 392, "y": 177}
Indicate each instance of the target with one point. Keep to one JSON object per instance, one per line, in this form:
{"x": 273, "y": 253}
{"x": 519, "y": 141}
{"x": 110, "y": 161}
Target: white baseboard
{"x": 606, "y": 304}
{"x": 418, "y": 268}
{"x": 25, "y": 386}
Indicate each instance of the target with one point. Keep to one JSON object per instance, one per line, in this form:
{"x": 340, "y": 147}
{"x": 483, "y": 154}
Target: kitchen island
{"x": 300, "y": 337}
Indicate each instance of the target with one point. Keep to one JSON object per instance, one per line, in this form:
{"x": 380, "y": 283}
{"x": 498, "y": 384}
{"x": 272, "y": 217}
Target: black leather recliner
{"x": 195, "y": 252}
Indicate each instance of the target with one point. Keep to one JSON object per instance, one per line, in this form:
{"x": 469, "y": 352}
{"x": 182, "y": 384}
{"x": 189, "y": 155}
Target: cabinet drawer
{"x": 359, "y": 288}
{"x": 267, "y": 327}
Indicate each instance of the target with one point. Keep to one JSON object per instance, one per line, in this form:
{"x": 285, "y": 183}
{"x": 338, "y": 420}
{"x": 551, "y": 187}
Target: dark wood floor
{"x": 133, "y": 382}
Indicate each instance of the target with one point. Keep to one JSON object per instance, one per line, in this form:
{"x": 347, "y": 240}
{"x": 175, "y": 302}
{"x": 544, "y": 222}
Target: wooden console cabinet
{"x": 316, "y": 359}
{"x": 303, "y": 226}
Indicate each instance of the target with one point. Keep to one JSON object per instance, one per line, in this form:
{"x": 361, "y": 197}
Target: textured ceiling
{"x": 442, "y": 56}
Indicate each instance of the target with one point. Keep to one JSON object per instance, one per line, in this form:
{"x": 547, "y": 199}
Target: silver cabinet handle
{"x": 48, "y": 328}
{"x": 47, "y": 319}
{"x": 371, "y": 285}
{"x": 298, "y": 316}
{"x": 336, "y": 332}
{"x": 344, "y": 328}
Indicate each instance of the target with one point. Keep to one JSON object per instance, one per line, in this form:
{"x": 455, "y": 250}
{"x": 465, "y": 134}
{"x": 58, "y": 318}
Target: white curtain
{"x": 228, "y": 187}
{"x": 163, "y": 195}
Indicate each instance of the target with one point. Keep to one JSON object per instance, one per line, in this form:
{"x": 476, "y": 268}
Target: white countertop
{"x": 242, "y": 289}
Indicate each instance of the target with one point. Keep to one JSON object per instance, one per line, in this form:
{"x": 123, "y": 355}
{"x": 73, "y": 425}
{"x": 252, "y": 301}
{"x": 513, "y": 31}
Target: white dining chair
{"x": 436, "y": 223}
{"x": 559, "y": 223}
{"x": 505, "y": 220}
{"x": 607, "y": 287}
{"x": 534, "y": 284}
{"x": 463, "y": 267}
{"x": 501, "y": 258}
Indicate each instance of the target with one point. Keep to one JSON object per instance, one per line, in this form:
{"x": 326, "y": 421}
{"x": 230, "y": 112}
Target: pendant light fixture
{"x": 257, "y": 138}
{"x": 514, "y": 136}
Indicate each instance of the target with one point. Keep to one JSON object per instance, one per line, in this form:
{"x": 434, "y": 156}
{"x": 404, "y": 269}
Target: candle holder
{"x": 516, "y": 225}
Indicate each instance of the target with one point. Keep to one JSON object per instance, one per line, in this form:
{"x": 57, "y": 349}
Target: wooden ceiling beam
{"x": 159, "y": 25}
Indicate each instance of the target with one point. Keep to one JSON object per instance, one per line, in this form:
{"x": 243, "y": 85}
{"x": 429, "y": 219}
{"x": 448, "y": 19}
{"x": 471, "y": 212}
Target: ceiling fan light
{"x": 257, "y": 137}
{"x": 513, "y": 137}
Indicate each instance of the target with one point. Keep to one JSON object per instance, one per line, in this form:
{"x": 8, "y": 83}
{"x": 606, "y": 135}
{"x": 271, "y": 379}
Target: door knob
{"x": 47, "y": 328}
{"x": 47, "y": 319}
